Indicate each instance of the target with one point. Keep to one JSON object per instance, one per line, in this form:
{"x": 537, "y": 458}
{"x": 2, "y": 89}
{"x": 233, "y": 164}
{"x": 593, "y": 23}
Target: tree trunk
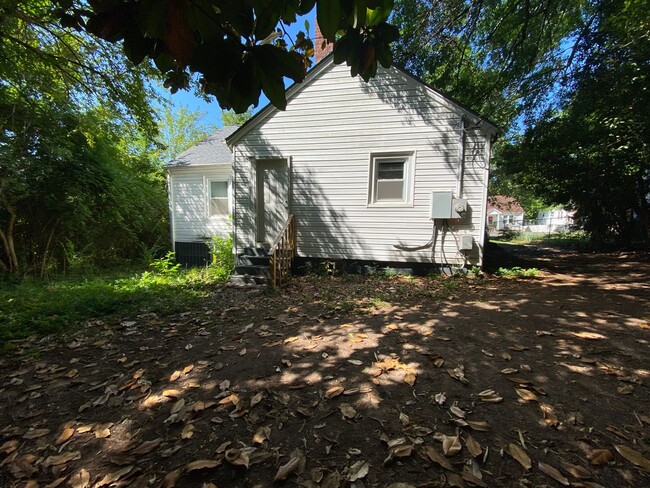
{"x": 7, "y": 239}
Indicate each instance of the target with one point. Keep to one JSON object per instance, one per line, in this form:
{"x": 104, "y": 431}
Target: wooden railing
{"x": 282, "y": 252}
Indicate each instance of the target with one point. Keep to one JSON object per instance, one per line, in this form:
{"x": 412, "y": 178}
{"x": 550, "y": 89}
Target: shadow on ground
{"x": 350, "y": 381}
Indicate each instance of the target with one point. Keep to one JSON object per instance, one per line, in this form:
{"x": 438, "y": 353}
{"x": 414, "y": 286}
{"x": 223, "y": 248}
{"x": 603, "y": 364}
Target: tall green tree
{"x": 179, "y": 128}
{"x": 501, "y": 58}
{"x": 230, "y": 117}
{"x": 68, "y": 176}
{"x": 594, "y": 153}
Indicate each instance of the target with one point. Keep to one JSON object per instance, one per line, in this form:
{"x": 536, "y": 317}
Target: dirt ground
{"x": 350, "y": 381}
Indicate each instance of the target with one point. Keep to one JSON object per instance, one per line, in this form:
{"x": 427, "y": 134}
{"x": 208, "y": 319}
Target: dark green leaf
{"x": 328, "y": 15}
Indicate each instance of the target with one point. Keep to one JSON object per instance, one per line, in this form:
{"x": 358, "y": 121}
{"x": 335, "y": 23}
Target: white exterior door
{"x": 272, "y": 198}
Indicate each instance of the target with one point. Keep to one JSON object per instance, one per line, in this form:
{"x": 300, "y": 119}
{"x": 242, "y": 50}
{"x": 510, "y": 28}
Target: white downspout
{"x": 461, "y": 159}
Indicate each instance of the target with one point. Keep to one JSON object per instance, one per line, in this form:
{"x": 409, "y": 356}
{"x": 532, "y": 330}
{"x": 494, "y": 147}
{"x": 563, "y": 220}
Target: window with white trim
{"x": 390, "y": 180}
{"x": 218, "y": 205}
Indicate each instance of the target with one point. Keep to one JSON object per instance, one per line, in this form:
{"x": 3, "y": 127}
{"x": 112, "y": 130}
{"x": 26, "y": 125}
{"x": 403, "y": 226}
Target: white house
{"x": 386, "y": 171}
{"x": 199, "y": 184}
{"x": 504, "y": 213}
{"x": 552, "y": 220}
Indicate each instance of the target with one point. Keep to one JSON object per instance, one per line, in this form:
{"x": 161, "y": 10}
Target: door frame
{"x": 259, "y": 202}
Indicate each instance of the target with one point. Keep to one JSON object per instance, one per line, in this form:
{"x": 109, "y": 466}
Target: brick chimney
{"x": 319, "y": 51}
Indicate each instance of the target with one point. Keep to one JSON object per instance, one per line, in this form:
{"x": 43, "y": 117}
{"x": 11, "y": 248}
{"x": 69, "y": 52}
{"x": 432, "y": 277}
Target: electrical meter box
{"x": 441, "y": 204}
{"x": 458, "y": 208}
{"x": 445, "y": 206}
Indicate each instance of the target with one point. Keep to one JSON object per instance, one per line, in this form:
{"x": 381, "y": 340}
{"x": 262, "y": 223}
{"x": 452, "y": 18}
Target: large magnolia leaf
{"x": 600, "y": 456}
{"x": 451, "y": 445}
{"x": 358, "y": 470}
{"x": 520, "y": 456}
{"x": 553, "y": 473}
{"x": 633, "y": 456}
{"x": 295, "y": 465}
{"x": 473, "y": 446}
{"x": 81, "y": 479}
{"x": 170, "y": 479}
{"x": 437, "y": 458}
{"x": 202, "y": 464}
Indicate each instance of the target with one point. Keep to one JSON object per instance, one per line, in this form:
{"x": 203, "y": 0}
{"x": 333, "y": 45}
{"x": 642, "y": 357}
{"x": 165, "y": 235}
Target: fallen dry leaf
{"x": 458, "y": 412}
{"x": 146, "y": 447}
{"x": 177, "y": 406}
{"x": 526, "y": 395}
{"x": 35, "y": 433}
{"x": 295, "y": 465}
{"x": 81, "y": 479}
{"x": 170, "y": 479}
{"x": 347, "y": 411}
{"x": 171, "y": 393}
{"x": 600, "y": 456}
{"x": 576, "y": 471}
{"x": 473, "y": 446}
{"x": 334, "y": 391}
{"x": 549, "y": 470}
{"x": 187, "y": 432}
{"x": 490, "y": 396}
{"x": 633, "y": 456}
{"x": 480, "y": 425}
{"x": 65, "y": 434}
{"x": 201, "y": 464}
{"x": 262, "y": 434}
{"x": 62, "y": 459}
{"x": 409, "y": 378}
{"x": 472, "y": 479}
{"x": 175, "y": 375}
{"x": 358, "y": 470}
{"x": 111, "y": 478}
{"x": 257, "y": 398}
{"x": 520, "y": 456}
{"x": 437, "y": 458}
{"x": 238, "y": 457}
{"x": 451, "y": 445}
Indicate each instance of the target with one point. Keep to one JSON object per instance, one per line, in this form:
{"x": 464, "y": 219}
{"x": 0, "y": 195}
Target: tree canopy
{"x": 235, "y": 49}
{"x": 71, "y": 179}
{"x": 593, "y": 153}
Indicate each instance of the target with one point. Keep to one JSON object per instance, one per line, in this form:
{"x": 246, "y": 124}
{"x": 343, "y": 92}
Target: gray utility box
{"x": 445, "y": 206}
{"x": 466, "y": 243}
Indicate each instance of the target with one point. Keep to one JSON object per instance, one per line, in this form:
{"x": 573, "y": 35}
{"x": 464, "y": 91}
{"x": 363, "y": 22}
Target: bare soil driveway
{"x": 350, "y": 381}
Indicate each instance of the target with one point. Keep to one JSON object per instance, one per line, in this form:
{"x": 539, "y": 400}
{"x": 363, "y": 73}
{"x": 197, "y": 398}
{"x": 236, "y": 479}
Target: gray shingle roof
{"x": 211, "y": 150}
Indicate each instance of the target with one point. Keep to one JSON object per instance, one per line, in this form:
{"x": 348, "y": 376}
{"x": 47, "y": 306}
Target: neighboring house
{"x": 504, "y": 213}
{"x": 386, "y": 171}
{"x": 199, "y": 183}
{"x": 552, "y": 220}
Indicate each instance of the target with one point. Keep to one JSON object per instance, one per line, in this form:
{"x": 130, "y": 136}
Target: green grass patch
{"x": 33, "y": 307}
{"x": 518, "y": 272}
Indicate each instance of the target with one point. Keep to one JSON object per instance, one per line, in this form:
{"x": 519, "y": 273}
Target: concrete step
{"x": 248, "y": 281}
{"x": 256, "y": 251}
{"x": 252, "y": 270}
{"x": 245, "y": 260}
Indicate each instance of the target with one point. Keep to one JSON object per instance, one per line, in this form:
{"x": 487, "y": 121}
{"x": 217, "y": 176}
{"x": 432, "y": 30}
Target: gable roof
{"x": 504, "y": 204}
{"x": 328, "y": 60}
{"x": 211, "y": 150}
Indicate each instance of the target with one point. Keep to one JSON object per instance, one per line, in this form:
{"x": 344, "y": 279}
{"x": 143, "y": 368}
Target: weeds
{"x": 37, "y": 307}
{"x": 518, "y": 272}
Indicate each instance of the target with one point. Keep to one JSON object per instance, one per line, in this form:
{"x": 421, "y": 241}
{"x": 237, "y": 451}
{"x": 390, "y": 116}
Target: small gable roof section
{"x": 504, "y": 205}
{"x": 386, "y": 86}
{"x": 211, "y": 150}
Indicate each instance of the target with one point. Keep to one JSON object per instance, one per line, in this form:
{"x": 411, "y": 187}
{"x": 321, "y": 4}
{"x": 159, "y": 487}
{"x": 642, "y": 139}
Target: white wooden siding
{"x": 330, "y": 129}
{"x": 189, "y": 204}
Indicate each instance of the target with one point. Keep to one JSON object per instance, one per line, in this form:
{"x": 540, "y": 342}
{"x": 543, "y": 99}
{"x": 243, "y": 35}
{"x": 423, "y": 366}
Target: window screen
{"x": 390, "y": 181}
{"x": 218, "y": 198}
